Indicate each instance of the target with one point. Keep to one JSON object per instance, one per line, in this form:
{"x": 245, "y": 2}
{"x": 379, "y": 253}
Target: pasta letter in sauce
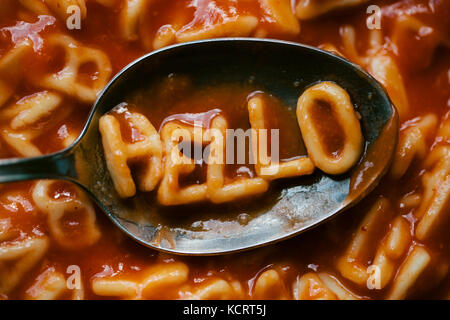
{"x": 327, "y": 107}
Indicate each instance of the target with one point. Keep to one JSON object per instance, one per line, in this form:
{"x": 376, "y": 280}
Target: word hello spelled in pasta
{"x": 168, "y": 154}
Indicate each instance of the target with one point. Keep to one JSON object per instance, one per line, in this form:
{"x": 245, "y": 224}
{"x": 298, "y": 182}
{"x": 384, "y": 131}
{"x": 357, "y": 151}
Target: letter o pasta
{"x": 346, "y": 118}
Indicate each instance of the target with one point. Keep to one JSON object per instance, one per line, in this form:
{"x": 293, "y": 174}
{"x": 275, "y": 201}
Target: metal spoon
{"x": 285, "y": 69}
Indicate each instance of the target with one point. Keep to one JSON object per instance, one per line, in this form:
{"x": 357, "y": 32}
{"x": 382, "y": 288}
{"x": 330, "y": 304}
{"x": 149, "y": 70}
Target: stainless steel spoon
{"x": 284, "y": 69}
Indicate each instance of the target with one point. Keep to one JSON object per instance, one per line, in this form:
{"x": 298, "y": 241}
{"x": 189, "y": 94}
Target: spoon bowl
{"x": 282, "y": 68}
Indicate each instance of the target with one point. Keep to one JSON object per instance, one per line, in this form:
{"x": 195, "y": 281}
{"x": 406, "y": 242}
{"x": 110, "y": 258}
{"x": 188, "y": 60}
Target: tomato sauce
{"x": 427, "y": 86}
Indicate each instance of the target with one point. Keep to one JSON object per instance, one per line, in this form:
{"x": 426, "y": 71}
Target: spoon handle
{"x": 57, "y": 166}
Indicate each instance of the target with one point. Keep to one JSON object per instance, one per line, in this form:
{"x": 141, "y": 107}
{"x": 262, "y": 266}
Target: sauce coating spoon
{"x": 283, "y": 68}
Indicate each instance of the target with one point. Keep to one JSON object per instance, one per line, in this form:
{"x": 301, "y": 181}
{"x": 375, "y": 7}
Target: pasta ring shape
{"x": 56, "y": 209}
{"x": 77, "y": 55}
{"x": 345, "y": 116}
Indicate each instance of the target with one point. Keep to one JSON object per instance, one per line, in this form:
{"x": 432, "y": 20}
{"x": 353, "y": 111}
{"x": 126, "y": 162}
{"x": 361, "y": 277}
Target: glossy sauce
{"x": 425, "y": 74}
{"x": 175, "y": 98}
